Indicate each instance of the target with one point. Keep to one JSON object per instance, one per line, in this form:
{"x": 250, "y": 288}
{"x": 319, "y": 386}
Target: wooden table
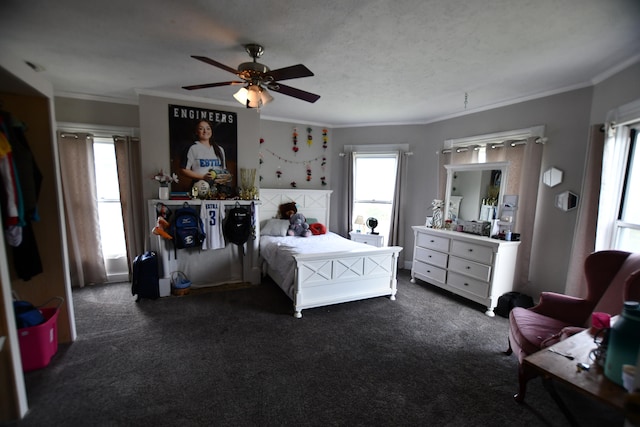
{"x": 554, "y": 367}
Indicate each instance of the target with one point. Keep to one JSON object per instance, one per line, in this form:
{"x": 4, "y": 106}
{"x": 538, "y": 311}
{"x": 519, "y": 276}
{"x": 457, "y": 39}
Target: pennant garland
{"x": 307, "y": 163}
{"x": 295, "y": 140}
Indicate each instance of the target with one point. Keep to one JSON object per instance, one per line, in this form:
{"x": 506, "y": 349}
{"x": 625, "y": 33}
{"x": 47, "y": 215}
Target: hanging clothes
{"x": 21, "y": 184}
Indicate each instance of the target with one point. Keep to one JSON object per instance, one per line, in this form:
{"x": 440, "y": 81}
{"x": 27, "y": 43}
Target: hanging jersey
{"x": 211, "y": 215}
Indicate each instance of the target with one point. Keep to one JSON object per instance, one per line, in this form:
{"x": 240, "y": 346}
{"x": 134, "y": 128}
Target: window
{"x": 109, "y": 209}
{"x": 627, "y": 225}
{"x": 618, "y": 221}
{"x": 374, "y": 180}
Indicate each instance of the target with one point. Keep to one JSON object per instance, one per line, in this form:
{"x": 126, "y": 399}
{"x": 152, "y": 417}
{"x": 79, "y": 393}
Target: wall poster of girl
{"x": 203, "y": 145}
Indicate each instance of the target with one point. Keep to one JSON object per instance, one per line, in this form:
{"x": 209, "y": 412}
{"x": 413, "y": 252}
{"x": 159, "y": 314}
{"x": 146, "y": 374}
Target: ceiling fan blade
{"x": 215, "y": 63}
{"x": 292, "y": 72}
{"x": 206, "y": 85}
{"x": 296, "y": 93}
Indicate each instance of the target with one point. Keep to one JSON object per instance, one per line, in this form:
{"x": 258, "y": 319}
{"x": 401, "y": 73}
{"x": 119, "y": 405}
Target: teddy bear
{"x": 298, "y": 226}
{"x": 285, "y": 210}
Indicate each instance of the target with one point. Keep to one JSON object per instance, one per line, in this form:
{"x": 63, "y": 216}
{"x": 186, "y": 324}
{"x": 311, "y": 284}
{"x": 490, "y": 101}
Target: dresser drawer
{"x": 432, "y": 242}
{"x": 429, "y": 271}
{"x": 432, "y": 257}
{"x": 474, "y": 286}
{"x": 472, "y": 251}
{"x": 470, "y": 268}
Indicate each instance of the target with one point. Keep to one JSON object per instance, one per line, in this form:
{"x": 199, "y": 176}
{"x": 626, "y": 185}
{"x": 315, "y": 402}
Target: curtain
{"x": 525, "y": 162}
{"x": 346, "y": 219}
{"x": 130, "y": 183}
{"x": 584, "y": 237}
{"x": 616, "y": 149}
{"x": 81, "y": 209}
{"x": 396, "y": 233}
{"x": 523, "y": 180}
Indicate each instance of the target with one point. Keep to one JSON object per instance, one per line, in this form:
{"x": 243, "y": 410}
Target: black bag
{"x": 238, "y": 224}
{"x": 146, "y": 282}
{"x": 510, "y": 300}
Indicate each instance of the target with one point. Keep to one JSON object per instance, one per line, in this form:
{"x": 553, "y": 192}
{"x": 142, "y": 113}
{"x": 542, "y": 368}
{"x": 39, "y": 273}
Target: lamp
{"x": 359, "y": 222}
{"x": 253, "y": 96}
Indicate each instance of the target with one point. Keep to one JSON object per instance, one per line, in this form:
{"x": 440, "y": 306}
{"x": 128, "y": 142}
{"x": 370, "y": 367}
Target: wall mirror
{"x": 552, "y": 177}
{"x": 474, "y": 191}
{"x": 566, "y": 201}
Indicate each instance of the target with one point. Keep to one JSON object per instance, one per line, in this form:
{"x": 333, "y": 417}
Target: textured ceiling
{"x": 375, "y": 62}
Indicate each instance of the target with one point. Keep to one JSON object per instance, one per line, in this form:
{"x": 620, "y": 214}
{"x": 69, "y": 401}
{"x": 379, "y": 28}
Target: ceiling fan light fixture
{"x": 241, "y": 95}
{"x": 252, "y": 96}
{"x": 265, "y": 97}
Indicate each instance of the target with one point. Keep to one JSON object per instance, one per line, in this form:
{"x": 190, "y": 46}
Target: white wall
{"x": 567, "y": 117}
{"x": 154, "y": 136}
{"x": 276, "y": 151}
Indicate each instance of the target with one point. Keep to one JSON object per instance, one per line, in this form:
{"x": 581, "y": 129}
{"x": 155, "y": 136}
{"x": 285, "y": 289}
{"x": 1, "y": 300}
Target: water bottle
{"x": 624, "y": 342}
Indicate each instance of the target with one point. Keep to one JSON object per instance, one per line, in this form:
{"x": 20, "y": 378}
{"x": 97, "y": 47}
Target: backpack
{"x": 187, "y": 228}
{"x": 238, "y": 224}
{"x": 510, "y": 300}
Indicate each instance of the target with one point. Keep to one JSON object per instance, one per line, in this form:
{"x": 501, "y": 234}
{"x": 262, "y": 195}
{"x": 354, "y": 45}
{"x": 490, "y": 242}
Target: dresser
{"x": 370, "y": 239}
{"x": 478, "y": 268}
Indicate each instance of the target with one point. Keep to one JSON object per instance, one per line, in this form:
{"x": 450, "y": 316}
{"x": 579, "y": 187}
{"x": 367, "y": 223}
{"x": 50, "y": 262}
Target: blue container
{"x": 624, "y": 342}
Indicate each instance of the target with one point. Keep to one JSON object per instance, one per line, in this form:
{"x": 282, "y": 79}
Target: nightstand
{"x": 370, "y": 239}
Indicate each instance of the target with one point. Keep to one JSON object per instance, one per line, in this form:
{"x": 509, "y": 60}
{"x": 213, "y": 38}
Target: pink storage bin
{"x": 38, "y": 344}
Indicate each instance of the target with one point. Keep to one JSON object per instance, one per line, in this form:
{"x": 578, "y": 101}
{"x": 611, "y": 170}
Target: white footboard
{"x": 331, "y": 278}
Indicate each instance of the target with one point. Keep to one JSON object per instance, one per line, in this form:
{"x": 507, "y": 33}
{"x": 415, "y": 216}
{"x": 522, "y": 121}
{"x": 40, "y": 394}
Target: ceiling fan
{"x": 257, "y": 78}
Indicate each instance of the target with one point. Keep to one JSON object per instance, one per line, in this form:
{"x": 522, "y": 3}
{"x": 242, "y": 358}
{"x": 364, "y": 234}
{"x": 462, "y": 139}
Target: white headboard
{"x": 310, "y": 203}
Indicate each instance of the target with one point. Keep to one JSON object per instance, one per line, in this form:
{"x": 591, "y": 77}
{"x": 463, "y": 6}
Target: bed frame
{"x": 336, "y": 277}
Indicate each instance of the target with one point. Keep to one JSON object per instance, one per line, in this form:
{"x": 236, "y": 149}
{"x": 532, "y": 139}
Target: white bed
{"x": 322, "y": 270}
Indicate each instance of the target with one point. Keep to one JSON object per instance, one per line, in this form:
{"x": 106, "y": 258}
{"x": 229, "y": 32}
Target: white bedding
{"x": 278, "y": 252}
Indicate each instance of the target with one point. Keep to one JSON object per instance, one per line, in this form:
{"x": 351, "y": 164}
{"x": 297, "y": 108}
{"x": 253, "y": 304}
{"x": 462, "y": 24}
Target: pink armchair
{"x": 612, "y": 278}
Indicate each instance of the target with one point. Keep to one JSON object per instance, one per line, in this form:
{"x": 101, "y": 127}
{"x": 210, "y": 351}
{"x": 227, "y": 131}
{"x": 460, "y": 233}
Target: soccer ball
{"x": 201, "y": 188}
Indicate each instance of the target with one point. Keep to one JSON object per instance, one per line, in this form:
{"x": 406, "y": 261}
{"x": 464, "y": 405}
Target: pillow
{"x": 318, "y": 228}
{"x": 312, "y": 220}
{"x": 275, "y": 227}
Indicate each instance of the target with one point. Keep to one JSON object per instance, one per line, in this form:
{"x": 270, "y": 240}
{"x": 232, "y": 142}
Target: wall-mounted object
{"x": 566, "y": 201}
{"x": 552, "y": 177}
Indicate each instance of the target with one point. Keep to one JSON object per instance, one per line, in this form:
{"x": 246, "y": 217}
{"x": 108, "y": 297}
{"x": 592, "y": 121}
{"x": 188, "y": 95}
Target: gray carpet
{"x": 238, "y": 357}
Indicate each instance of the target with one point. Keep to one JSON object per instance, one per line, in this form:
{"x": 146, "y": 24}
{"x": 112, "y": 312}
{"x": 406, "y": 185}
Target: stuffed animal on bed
{"x": 286, "y": 210}
{"x": 298, "y": 226}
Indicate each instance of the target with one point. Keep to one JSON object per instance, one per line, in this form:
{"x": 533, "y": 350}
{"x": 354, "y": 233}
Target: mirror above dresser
{"x": 474, "y": 192}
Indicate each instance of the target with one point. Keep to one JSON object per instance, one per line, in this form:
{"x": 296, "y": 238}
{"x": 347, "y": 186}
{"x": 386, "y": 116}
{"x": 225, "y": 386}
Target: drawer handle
{"x": 429, "y": 256}
{"x": 466, "y": 284}
{"x": 428, "y": 271}
{"x": 470, "y": 250}
{"x": 431, "y": 241}
{"x": 468, "y": 267}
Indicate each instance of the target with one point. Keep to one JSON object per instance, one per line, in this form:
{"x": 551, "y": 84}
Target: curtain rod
{"x": 73, "y": 135}
{"x": 406, "y": 153}
{"x": 512, "y": 142}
